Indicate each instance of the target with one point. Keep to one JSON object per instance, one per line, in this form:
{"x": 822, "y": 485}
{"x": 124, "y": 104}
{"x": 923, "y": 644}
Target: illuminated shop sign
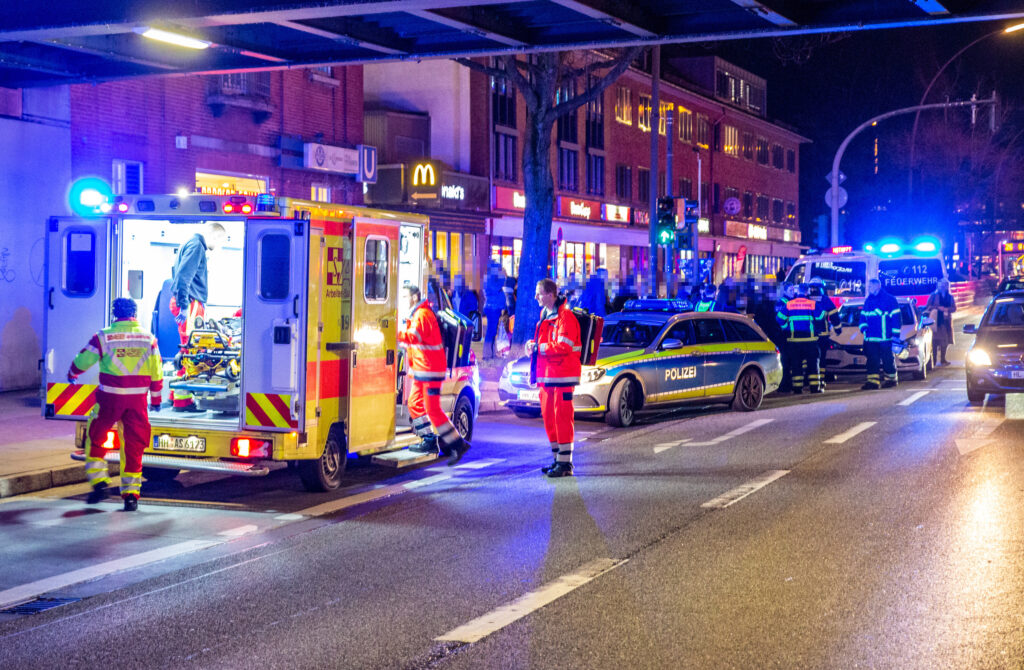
{"x": 752, "y": 231}
{"x": 704, "y": 226}
{"x": 327, "y": 158}
{"x": 509, "y": 198}
{"x": 579, "y": 209}
{"x": 756, "y": 232}
{"x": 211, "y": 183}
{"x": 423, "y": 181}
{"x": 452, "y": 192}
{"x": 615, "y": 213}
{"x": 423, "y": 174}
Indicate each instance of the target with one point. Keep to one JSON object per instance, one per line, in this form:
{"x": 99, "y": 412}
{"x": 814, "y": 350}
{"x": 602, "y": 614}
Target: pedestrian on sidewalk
{"x": 129, "y": 361}
{"x": 940, "y": 306}
{"x": 420, "y": 336}
{"x": 555, "y": 352}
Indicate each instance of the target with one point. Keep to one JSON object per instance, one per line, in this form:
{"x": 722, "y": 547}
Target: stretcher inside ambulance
{"x": 295, "y": 359}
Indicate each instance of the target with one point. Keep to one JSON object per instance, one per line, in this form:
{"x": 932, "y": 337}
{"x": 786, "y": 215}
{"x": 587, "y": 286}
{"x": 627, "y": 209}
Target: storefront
{"x": 754, "y": 249}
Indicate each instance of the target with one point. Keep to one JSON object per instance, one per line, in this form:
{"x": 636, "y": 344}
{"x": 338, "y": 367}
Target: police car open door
{"x": 77, "y": 301}
{"x": 274, "y": 303}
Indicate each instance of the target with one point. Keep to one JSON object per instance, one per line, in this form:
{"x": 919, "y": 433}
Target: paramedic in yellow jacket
{"x": 130, "y": 368}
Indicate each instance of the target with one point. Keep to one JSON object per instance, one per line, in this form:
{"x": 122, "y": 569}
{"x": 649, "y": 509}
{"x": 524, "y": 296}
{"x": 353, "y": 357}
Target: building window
{"x": 705, "y": 191}
{"x": 778, "y": 159}
{"x": 127, "y": 178}
{"x": 730, "y": 192}
{"x": 762, "y": 151}
{"x": 326, "y": 70}
{"x": 320, "y": 193}
{"x": 790, "y": 212}
{"x": 643, "y": 118}
{"x": 748, "y": 205}
{"x": 643, "y": 186}
{"x": 790, "y": 160}
{"x": 568, "y": 124}
{"x": 755, "y": 99}
{"x": 777, "y": 210}
{"x": 595, "y": 123}
{"x": 623, "y": 182}
{"x": 730, "y": 141}
{"x": 686, "y": 189}
{"x": 624, "y": 105}
{"x": 748, "y": 146}
{"x": 664, "y": 109}
{"x": 595, "y": 173}
{"x": 685, "y": 125}
{"x": 762, "y": 208}
{"x": 568, "y": 169}
{"x": 703, "y": 131}
{"x": 505, "y": 156}
{"x": 255, "y": 84}
{"x": 503, "y": 100}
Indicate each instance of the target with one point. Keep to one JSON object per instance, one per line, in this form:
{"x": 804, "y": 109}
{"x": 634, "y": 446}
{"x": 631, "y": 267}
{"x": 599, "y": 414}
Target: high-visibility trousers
{"x": 426, "y": 415}
{"x": 196, "y": 310}
{"x": 131, "y": 412}
{"x": 557, "y": 411}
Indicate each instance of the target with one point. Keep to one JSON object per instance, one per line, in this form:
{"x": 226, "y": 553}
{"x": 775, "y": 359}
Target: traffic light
{"x": 684, "y": 230}
{"x": 666, "y": 223}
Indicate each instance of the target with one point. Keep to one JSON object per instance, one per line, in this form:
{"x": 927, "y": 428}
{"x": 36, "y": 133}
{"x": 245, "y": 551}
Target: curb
{"x": 40, "y": 480}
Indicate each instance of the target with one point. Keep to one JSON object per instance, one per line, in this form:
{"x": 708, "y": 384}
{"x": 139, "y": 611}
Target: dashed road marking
{"x": 665, "y": 446}
{"x": 239, "y": 531}
{"x": 740, "y": 492}
{"x": 853, "y": 432}
{"x": 977, "y": 435}
{"x": 733, "y": 433}
{"x": 912, "y": 399}
{"x": 495, "y": 620}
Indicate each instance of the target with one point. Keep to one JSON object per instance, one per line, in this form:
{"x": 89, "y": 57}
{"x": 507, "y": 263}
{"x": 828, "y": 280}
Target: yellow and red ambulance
{"x": 295, "y": 361}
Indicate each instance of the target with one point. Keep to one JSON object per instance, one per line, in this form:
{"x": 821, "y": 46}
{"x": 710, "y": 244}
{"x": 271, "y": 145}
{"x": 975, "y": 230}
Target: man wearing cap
{"x": 130, "y": 369}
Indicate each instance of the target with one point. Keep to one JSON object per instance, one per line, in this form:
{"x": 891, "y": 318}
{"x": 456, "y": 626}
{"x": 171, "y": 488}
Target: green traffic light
{"x": 666, "y": 236}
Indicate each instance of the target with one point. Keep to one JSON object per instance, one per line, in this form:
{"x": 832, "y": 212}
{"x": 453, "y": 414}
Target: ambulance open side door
{"x": 373, "y": 358}
{"x": 77, "y": 299}
{"x": 274, "y": 304}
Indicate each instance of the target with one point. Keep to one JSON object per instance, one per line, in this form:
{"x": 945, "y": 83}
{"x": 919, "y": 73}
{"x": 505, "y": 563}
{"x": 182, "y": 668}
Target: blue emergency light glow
{"x": 870, "y": 248}
{"x": 890, "y": 247}
{"x": 926, "y": 245}
{"x": 90, "y": 196}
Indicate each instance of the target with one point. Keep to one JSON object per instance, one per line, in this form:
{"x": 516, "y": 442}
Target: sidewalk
{"x": 34, "y": 452}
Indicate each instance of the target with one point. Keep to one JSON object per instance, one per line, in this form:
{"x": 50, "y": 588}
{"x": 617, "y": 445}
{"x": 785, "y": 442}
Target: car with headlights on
{"x": 845, "y": 355}
{"x": 653, "y": 356}
{"x": 995, "y": 364}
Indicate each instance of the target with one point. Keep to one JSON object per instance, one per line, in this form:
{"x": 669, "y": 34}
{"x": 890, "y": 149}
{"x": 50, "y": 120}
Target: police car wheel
{"x": 324, "y": 474}
{"x": 160, "y": 474}
{"x": 462, "y": 417}
{"x": 749, "y": 392}
{"x": 622, "y": 405}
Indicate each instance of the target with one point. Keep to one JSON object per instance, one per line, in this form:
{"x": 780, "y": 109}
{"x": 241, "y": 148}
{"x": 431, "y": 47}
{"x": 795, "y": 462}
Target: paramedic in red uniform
{"x": 130, "y": 368}
{"x": 420, "y": 336}
{"x": 189, "y": 291}
{"x": 557, "y": 345}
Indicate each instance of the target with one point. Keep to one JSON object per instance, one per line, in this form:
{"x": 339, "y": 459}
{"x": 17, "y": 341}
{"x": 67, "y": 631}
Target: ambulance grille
{"x": 38, "y": 605}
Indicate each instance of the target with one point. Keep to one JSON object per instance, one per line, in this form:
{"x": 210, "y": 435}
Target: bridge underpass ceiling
{"x": 42, "y": 44}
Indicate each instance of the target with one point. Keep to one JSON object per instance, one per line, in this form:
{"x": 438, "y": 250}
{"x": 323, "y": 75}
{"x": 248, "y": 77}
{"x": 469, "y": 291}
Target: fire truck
{"x": 295, "y": 362}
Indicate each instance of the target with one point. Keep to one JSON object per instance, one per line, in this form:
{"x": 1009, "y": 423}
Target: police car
{"x": 652, "y": 357}
{"x": 846, "y": 352}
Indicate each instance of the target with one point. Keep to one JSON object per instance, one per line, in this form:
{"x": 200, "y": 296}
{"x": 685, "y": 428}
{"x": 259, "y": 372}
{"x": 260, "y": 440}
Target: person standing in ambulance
{"x": 420, "y": 336}
{"x": 129, "y": 360}
{"x": 556, "y": 350}
{"x": 189, "y": 292}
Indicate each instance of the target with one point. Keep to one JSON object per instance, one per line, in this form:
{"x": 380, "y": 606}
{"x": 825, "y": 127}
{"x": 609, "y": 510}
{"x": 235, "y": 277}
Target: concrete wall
{"x": 35, "y": 170}
{"x": 439, "y": 87}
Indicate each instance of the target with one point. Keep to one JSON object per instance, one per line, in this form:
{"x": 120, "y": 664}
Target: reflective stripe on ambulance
{"x": 269, "y": 410}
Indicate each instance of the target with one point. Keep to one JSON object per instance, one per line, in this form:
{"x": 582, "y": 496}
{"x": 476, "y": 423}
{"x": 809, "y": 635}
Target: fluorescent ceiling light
{"x": 172, "y": 38}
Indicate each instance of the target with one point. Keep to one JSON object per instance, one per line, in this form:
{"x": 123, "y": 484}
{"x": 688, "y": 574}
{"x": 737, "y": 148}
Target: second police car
{"x": 653, "y": 356}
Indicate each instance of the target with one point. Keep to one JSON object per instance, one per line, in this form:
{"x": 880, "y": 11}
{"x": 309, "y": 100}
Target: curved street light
{"x": 928, "y": 89}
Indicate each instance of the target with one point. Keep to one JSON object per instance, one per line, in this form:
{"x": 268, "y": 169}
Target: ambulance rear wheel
{"x": 462, "y": 417}
{"x": 622, "y": 405}
{"x": 160, "y": 474}
{"x": 324, "y": 474}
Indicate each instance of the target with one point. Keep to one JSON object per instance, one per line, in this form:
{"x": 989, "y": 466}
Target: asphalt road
{"x": 878, "y": 530}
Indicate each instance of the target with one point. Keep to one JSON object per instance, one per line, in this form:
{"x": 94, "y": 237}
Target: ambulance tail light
{"x": 247, "y": 447}
{"x": 246, "y": 208}
{"x": 113, "y": 442}
{"x": 228, "y": 208}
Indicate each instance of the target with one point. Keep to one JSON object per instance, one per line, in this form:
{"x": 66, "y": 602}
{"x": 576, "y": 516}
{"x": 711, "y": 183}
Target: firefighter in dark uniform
{"x": 787, "y": 293}
{"x": 880, "y": 322}
{"x": 830, "y": 320}
{"x": 799, "y": 319}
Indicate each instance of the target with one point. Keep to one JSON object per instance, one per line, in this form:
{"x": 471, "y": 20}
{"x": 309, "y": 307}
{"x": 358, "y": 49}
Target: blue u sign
{"x": 367, "y": 164}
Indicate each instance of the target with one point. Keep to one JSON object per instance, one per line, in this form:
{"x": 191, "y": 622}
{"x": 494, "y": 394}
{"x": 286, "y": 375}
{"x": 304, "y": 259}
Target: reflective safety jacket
{"x": 880, "y": 318}
{"x": 558, "y": 347}
{"x": 799, "y": 319}
{"x": 129, "y": 360}
{"x": 831, "y": 315}
{"x": 421, "y": 337}
{"x": 705, "y": 306}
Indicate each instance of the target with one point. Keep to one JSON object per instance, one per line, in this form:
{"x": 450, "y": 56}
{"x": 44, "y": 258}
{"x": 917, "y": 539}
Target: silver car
{"x": 846, "y": 350}
{"x": 652, "y": 358}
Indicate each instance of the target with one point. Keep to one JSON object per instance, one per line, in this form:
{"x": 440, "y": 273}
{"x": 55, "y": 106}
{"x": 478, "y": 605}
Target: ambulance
{"x": 295, "y": 362}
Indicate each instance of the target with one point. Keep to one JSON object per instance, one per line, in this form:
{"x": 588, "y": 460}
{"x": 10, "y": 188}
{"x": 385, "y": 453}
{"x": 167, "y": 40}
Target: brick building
{"x": 242, "y": 132}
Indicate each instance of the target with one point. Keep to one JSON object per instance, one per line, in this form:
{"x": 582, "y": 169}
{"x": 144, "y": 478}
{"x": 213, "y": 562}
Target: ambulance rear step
{"x": 403, "y": 458}
{"x": 194, "y": 464}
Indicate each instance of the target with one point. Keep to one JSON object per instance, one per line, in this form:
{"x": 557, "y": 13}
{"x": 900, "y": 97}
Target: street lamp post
{"x": 928, "y": 89}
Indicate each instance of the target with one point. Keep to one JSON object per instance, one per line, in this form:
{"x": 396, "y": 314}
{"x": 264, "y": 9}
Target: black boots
{"x": 457, "y": 451}
{"x": 131, "y": 502}
{"x": 428, "y": 445}
{"x": 560, "y": 469}
{"x": 98, "y": 494}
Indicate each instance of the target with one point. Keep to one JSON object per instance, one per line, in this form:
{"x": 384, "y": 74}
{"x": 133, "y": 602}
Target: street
{"x": 853, "y": 529}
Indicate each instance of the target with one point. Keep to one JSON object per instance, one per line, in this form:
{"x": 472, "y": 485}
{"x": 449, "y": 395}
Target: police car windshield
{"x": 850, "y": 315}
{"x": 1005, "y": 312}
{"x": 630, "y": 332}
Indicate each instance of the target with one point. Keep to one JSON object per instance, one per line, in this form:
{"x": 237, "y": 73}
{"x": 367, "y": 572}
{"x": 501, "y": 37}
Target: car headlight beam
{"x": 979, "y": 357}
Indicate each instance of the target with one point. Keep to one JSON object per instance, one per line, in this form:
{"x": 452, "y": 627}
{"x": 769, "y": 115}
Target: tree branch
{"x": 621, "y": 64}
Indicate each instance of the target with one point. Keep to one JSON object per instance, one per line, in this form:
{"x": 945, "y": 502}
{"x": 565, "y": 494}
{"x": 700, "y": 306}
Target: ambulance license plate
{"x": 165, "y": 442}
{"x": 529, "y": 395}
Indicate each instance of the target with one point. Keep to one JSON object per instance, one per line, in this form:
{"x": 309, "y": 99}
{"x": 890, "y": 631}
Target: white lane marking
{"x": 742, "y": 491}
{"x": 25, "y": 592}
{"x": 477, "y": 465}
{"x": 495, "y": 620}
{"x": 912, "y": 399}
{"x": 289, "y": 517}
{"x": 978, "y": 430}
{"x": 665, "y": 446}
{"x": 426, "y": 481}
{"x": 240, "y": 531}
{"x": 733, "y": 433}
{"x": 853, "y": 432}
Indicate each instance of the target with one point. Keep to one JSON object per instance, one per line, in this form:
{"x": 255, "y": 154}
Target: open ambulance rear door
{"x": 78, "y": 281}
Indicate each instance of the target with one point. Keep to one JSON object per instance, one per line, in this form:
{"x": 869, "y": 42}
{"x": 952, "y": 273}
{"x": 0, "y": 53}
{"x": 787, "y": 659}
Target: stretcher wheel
{"x": 232, "y": 370}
